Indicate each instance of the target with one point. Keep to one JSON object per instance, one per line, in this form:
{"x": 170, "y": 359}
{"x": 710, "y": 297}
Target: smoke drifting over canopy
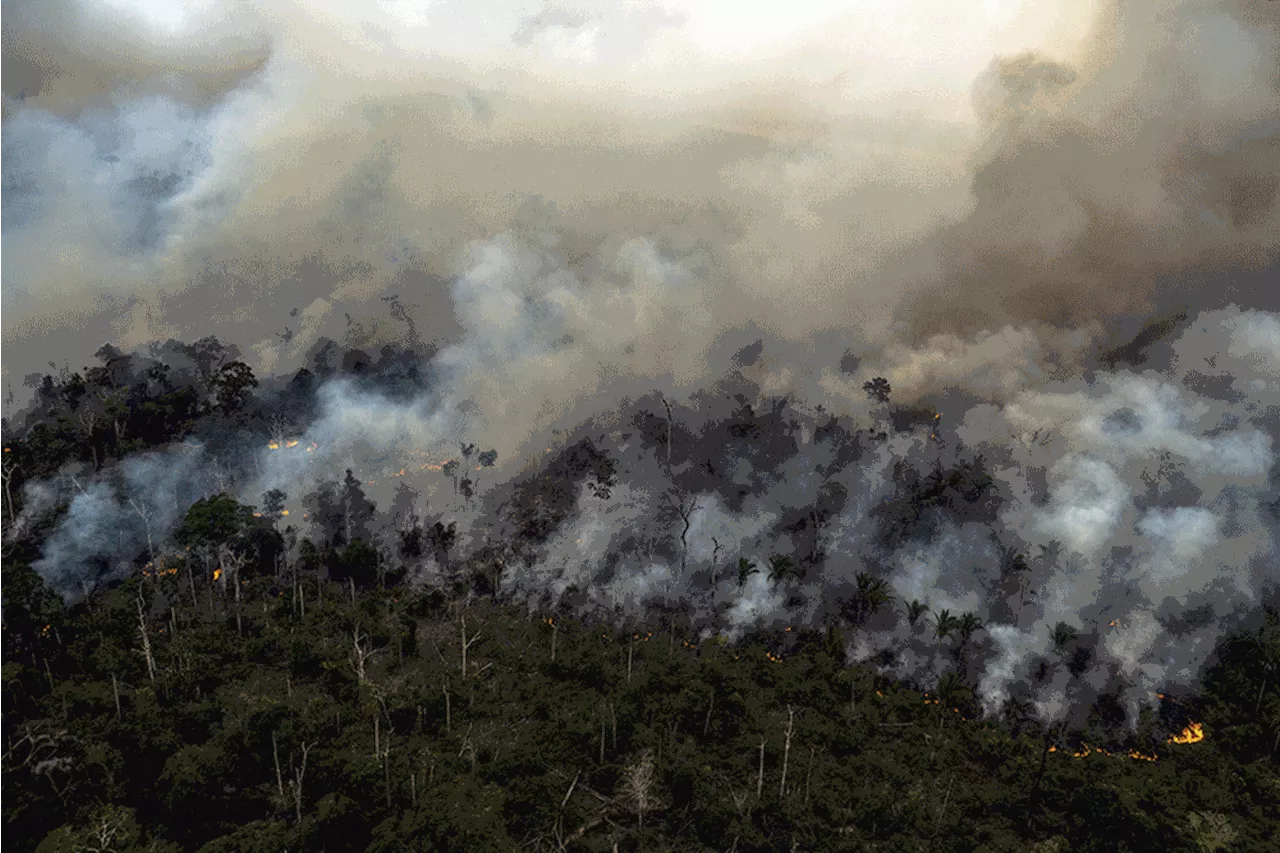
{"x": 581, "y": 203}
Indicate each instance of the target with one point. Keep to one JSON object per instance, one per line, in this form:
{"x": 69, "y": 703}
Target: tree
{"x": 213, "y": 521}
{"x": 746, "y": 568}
{"x": 357, "y": 510}
{"x": 232, "y": 385}
{"x": 638, "y": 786}
{"x": 915, "y": 609}
{"x": 871, "y": 594}
{"x": 966, "y": 627}
{"x": 944, "y": 624}
{"x": 273, "y": 503}
{"x": 878, "y": 390}
{"x": 11, "y": 470}
{"x": 219, "y": 525}
{"x": 782, "y": 567}
{"x": 1063, "y": 636}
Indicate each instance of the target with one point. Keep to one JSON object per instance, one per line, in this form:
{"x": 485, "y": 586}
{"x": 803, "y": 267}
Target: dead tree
{"x": 9, "y": 469}
{"x": 638, "y": 780}
{"x": 146, "y": 640}
{"x": 231, "y": 562}
{"x": 555, "y": 630}
{"x": 667, "y": 406}
{"x": 786, "y": 751}
{"x": 760, "y": 776}
{"x": 145, "y": 515}
{"x": 682, "y": 506}
{"x": 275, "y": 758}
{"x": 362, "y": 653}
{"x": 468, "y": 643}
{"x": 295, "y": 784}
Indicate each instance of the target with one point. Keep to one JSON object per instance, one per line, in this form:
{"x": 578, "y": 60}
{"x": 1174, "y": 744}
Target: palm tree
{"x": 966, "y": 627}
{"x": 780, "y": 567}
{"x": 944, "y": 624}
{"x": 872, "y": 594}
{"x": 915, "y": 609}
{"x": 746, "y": 568}
{"x": 1063, "y": 636}
{"x": 951, "y": 692}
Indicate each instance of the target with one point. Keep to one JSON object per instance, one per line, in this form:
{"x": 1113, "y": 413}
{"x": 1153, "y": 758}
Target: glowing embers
{"x": 1193, "y": 733}
{"x": 293, "y": 442}
{"x": 150, "y": 570}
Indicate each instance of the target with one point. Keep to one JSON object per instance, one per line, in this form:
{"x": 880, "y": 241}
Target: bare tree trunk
{"x": 115, "y": 689}
{"x": 146, "y": 641}
{"x": 808, "y": 776}
{"x": 298, "y": 774}
{"x": 760, "y": 777}
{"x": 275, "y": 757}
{"x": 386, "y": 768}
{"x": 448, "y": 709}
{"x": 613, "y": 720}
{"x": 9, "y": 471}
{"x": 468, "y": 643}
{"x": 236, "y": 582}
{"x": 191, "y": 578}
{"x": 786, "y": 751}
{"x": 377, "y": 740}
{"x": 631, "y": 647}
{"x": 145, "y": 515}
{"x": 710, "y": 706}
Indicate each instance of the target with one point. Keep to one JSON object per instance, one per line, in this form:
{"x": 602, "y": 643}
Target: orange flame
{"x": 217, "y": 573}
{"x": 1194, "y": 733}
{"x": 291, "y": 443}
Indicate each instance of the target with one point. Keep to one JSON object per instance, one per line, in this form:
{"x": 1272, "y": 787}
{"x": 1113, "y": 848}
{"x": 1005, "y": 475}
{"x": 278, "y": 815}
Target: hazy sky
{"x": 161, "y": 155}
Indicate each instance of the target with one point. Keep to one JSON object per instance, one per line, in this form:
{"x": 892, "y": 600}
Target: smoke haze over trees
{"x": 962, "y": 363}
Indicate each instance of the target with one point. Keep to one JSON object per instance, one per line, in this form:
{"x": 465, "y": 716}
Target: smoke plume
{"x": 655, "y": 252}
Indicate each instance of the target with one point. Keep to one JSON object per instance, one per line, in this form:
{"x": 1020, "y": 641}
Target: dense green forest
{"x": 246, "y": 689}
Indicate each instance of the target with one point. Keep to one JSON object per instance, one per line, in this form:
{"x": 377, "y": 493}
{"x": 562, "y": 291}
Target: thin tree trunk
{"x": 710, "y": 706}
{"x": 760, "y": 776}
{"x": 448, "y": 709}
{"x": 115, "y": 689}
{"x": 808, "y": 776}
{"x": 275, "y": 757}
{"x": 236, "y": 581}
{"x": 191, "y": 577}
{"x": 146, "y": 641}
{"x": 786, "y": 752}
